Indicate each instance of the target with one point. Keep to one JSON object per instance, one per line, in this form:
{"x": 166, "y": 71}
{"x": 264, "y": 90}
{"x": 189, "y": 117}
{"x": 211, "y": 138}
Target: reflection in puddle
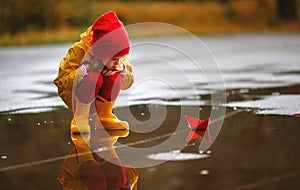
{"x": 177, "y": 156}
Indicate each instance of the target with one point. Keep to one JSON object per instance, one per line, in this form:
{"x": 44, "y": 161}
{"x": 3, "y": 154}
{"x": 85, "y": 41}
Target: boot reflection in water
{"x": 96, "y": 69}
{"x": 104, "y": 169}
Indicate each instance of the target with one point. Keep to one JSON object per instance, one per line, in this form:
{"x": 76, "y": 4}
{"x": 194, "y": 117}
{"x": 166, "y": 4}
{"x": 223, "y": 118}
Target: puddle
{"x": 177, "y": 156}
{"x": 275, "y": 105}
{"x": 249, "y": 147}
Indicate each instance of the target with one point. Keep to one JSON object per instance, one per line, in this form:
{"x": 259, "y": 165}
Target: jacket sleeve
{"x": 69, "y": 74}
{"x": 128, "y": 78}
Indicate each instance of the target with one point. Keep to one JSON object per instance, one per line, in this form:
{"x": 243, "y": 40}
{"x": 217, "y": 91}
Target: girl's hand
{"x": 109, "y": 72}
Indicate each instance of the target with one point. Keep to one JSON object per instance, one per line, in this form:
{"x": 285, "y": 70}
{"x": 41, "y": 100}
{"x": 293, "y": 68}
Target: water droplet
{"x": 69, "y": 142}
{"x": 234, "y": 108}
{"x": 9, "y": 119}
{"x": 142, "y": 114}
{"x": 91, "y": 119}
{"x": 201, "y": 152}
{"x": 45, "y": 121}
{"x": 51, "y": 121}
{"x": 3, "y": 157}
{"x": 38, "y": 124}
{"x": 200, "y": 109}
{"x": 208, "y": 152}
{"x": 204, "y": 172}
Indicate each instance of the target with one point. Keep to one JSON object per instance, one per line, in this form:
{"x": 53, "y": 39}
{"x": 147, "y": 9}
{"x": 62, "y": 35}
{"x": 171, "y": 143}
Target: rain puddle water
{"x": 261, "y": 77}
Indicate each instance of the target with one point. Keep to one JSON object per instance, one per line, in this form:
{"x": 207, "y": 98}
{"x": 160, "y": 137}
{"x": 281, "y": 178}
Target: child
{"x": 90, "y": 78}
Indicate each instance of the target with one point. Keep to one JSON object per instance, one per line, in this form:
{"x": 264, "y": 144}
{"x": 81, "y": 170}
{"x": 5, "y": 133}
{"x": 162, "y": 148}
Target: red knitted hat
{"x": 110, "y": 39}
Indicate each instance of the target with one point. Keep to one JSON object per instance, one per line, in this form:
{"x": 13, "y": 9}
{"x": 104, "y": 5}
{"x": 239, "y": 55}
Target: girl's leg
{"x": 111, "y": 87}
{"x": 89, "y": 86}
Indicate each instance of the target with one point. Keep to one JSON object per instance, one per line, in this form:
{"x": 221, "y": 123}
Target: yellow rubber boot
{"x": 102, "y": 142}
{"x": 80, "y": 122}
{"x": 80, "y": 131}
{"x": 105, "y": 115}
{"x": 108, "y": 128}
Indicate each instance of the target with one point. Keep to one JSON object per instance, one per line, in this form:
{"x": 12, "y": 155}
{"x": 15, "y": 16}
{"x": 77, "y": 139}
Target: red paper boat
{"x": 199, "y": 128}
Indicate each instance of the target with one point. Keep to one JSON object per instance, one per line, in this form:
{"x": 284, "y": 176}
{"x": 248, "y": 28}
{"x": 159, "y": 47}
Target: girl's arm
{"x": 128, "y": 77}
{"x": 69, "y": 74}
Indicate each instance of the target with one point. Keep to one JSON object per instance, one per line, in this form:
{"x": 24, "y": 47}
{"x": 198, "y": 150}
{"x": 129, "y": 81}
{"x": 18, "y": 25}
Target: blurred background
{"x": 44, "y": 21}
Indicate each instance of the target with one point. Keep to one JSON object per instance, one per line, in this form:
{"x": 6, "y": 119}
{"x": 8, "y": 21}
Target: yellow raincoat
{"x": 70, "y": 75}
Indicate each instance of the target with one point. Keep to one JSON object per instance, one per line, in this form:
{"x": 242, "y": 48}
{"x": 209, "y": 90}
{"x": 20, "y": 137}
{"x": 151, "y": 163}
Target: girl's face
{"x": 114, "y": 64}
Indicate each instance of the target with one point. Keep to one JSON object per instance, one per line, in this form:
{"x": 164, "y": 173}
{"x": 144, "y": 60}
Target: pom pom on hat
{"x": 110, "y": 39}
